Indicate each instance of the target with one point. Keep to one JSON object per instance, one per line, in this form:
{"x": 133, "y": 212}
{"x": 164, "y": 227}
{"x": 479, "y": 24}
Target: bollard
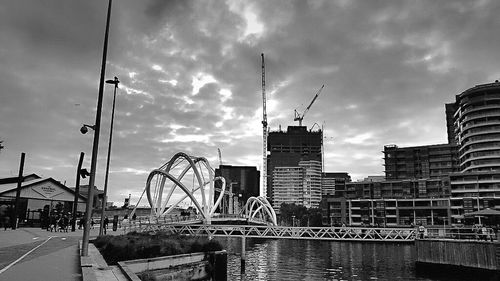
{"x": 243, "y": 255}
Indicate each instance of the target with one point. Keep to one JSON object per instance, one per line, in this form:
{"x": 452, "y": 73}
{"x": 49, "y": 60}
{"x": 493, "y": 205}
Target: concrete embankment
{"x": 195, "y": 266}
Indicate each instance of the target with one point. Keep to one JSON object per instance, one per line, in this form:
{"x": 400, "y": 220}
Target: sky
{"x": 190, "y": 79}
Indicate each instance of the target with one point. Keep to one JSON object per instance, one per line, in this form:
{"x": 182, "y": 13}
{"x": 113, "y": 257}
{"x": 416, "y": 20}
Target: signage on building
{"x": 47, "y": 191}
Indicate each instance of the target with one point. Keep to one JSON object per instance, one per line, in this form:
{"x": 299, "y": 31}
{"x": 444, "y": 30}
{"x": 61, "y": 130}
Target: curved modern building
{"x": 476, "y": 131}
{"x": 477, "y": 128}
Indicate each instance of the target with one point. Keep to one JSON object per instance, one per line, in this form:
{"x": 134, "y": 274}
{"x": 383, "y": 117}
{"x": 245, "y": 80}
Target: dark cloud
{"x": 388, "y": 68}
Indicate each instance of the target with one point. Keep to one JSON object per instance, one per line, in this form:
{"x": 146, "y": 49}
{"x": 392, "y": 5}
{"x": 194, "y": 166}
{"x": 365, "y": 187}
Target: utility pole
{"x": 18, "y": 192}
{"x": 77, "y": 191}
{"x": 105, "y": 194}
{"x": 95, "y": 145}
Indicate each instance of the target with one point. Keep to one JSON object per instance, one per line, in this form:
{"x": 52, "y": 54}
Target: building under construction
{"x": 296, "y": 151}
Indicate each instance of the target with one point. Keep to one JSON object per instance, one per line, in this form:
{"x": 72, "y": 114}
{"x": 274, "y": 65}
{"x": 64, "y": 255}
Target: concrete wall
{"x": 471, "y": 254}
{"x": 195, "y": 266}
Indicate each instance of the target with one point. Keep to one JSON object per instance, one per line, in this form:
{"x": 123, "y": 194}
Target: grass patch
{"x": 136, "y": 245}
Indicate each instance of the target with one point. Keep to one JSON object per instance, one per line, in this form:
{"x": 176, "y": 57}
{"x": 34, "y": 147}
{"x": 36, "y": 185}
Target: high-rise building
{"x": 287, "y": 149}
{"x": 299, "y": 185}
{"x": 312, "y": 183}
{"x": 477, "y": 128}
{"x": 420, "y": 162}
{"x": 477, "y": 132}
{"x": 450, "y": 109}
{"x": 242, "y": 181}
{"x": 288, "y": 185}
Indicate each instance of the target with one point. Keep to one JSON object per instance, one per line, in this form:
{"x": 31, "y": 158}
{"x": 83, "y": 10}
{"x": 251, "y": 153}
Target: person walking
{"x": 6, "y": 222}
{"x": 105, "y": 224}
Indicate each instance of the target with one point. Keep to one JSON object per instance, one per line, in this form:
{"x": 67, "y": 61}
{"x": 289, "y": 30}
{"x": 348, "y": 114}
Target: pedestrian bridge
{"x": 282, "y": 232}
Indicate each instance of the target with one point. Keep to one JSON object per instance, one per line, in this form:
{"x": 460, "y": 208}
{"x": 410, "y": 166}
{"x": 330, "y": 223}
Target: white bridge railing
{"x": 284, "y": 232}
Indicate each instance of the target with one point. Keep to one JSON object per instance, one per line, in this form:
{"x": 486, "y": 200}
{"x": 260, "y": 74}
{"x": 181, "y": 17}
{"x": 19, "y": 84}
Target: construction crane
{"x": 264, "y": 131}
{"x": 299, "y": 117}
{"x": 220, "y": 158}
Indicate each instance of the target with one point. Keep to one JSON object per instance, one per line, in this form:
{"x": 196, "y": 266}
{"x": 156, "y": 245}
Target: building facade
{"x": 420, "y": 162}
{"x": 287, "y": 149}
{"x": 312, "y": 183}
{"x": 242, "y": 182}
{"x": 390, "y": 203}
{"x": 477, "y": 133}
{"x": 298, "y": 185}
{"x": 39, "y": 198}
{"x": 333, "y": 184}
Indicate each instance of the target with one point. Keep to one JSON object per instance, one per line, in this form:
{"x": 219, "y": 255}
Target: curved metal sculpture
{"x": 202, "y": 185}
{"x": 260, "y": 207}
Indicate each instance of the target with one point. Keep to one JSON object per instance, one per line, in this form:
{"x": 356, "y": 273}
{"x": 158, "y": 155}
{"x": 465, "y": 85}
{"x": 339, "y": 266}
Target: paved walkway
{"x": 37, "y": 254}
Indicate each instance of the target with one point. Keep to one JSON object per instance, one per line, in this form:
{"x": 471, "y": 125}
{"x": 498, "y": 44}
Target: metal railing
{"x": 459, "y": 233}
{"x": 284, "y": 232}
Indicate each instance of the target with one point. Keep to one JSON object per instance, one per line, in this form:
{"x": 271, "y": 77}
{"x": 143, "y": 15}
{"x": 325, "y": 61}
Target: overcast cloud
{"x": 190, "y": 75}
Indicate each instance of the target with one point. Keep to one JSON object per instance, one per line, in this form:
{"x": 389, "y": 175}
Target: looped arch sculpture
{"x": 260, "y": 207}
{"x": 203, "y": 183}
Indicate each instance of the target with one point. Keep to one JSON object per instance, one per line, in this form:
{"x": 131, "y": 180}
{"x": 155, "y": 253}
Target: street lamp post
{"x": 95, "y": 145}
{"x": 105, "y": 195}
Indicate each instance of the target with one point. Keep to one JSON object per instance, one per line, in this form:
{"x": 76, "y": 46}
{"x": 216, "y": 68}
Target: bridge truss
{"x": 283, "y": 232}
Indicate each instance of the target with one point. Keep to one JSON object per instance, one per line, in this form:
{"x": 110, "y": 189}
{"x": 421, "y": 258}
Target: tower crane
{"x": 299, "y": 117}
{"x": 264, "y": 131}
{"x": 220, "y": 157}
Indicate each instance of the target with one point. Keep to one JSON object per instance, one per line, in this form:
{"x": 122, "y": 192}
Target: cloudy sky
{"x": 190, "y": 75}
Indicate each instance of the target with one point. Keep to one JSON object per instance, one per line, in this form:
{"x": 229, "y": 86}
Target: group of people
{"x": 59, "y": 223}
{"x": 484, "y": 233}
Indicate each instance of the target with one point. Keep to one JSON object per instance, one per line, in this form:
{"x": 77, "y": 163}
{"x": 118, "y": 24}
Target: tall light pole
{"x": 95, "y": 145}
{"x": 105, "y": 195}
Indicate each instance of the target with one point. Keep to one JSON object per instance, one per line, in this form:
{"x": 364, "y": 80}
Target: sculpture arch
{"x": 164, "y": 181}
{"x": 260, "y": 207}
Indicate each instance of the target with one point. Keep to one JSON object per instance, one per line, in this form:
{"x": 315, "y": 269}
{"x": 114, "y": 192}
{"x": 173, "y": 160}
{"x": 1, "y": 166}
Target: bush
{"x": 149, "y": 245}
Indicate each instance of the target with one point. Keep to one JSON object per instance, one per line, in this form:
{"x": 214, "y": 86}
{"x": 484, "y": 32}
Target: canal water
{"x": 286, "y": 259}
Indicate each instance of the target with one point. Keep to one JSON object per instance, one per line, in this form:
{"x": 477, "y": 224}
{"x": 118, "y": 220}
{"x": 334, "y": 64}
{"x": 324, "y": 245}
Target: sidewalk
{"x": 57, "y": 257}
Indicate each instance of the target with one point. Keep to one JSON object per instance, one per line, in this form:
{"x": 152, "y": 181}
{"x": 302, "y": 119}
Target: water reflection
{"x": 283, "y": 259}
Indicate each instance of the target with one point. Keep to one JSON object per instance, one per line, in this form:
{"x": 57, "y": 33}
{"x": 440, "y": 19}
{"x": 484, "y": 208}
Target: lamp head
{"x": 114, "y": 82}
{"x": 85, "y": 128}
{"x": 84, "y": 173}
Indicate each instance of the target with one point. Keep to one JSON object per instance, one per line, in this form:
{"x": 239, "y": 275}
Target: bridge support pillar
{"x": 243, "y": 254}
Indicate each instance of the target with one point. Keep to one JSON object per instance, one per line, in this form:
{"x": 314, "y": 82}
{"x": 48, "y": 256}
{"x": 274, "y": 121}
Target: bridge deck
{"x": 283, "y": 232}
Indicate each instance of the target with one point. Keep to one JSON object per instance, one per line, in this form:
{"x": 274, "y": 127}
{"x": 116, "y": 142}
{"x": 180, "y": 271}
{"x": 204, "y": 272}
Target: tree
{"x": 301, "y": 215}
{"x": 315, "y": 217}
{"x": 290, "y": 211}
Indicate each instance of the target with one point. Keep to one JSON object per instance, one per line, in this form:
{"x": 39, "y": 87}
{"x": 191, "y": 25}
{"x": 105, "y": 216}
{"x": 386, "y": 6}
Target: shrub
{"x": 149, "y": 245}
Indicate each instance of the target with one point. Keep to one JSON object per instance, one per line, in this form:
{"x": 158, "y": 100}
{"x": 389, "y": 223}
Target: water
{"x": 284, "y": 259}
